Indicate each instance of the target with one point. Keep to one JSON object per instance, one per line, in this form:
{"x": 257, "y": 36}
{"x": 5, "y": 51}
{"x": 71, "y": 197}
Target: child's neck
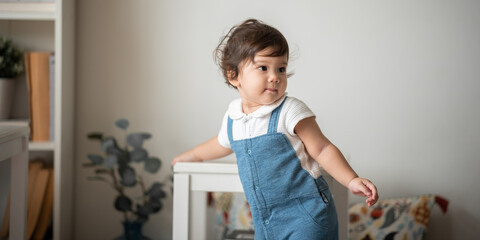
{"x": 248, "y": 108}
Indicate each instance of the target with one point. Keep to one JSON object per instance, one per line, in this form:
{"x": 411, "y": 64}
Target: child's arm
{"x": 332, "y": 160}
{"x": 208, "y": 150}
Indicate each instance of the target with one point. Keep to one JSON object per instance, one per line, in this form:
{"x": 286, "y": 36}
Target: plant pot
{"x": 132, "y": 231}
{"x": 7, "y": 87}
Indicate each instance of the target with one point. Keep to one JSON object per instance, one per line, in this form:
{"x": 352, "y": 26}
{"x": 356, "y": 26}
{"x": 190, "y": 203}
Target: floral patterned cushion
{"x": 232, "y": 212}
{"x": 392, "y": 219}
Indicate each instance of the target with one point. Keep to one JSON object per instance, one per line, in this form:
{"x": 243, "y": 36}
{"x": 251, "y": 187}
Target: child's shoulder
{"x": 292, "y": 103}
{"x": 294, "y": 110}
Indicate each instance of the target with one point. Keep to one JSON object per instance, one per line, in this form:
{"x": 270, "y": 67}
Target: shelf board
{"x": 27, "y": 10}
{"x": 41, "y": 146}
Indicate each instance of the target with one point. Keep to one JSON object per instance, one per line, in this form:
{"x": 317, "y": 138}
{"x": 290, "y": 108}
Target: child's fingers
{"x": 372, "y": 199}
{"x": 365, "y": 188}
{"x": 371, "y": 188}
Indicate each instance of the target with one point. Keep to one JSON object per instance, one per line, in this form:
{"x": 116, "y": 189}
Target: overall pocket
{"x": 315, "y": 209}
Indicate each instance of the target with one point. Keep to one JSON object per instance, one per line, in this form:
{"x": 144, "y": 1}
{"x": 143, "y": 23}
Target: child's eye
{"x": 262, "y": 68}
{"x": 282, "y": 69}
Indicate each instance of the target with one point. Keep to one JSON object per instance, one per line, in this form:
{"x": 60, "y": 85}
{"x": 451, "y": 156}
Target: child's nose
{"x": 274, "y": 77}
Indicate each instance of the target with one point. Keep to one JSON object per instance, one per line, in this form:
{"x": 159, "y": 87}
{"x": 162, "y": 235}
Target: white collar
{"x": 235, "y": 109}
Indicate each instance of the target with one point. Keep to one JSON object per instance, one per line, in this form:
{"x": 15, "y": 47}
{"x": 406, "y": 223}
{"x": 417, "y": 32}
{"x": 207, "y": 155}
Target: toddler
{"x": 277, "y": 142}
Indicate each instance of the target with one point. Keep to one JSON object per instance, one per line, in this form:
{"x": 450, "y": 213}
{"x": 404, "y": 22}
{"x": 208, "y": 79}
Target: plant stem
{"x": 119, "y": 189}
{"x": 144, "y": 191}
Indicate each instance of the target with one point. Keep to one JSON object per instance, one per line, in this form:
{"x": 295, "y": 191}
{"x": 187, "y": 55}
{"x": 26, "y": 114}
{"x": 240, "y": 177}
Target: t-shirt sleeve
{"x": 222, "y": 134}
{"x": 296, "y": 110}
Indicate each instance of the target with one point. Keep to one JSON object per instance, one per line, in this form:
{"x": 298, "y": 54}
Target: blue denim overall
{"x": 285, "y": 200}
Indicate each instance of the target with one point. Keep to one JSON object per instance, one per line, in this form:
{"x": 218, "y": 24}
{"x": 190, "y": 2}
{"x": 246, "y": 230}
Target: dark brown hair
{"x": 243, "y": 41}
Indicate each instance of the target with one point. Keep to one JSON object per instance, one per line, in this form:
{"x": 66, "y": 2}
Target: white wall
{"x": 395, "y": 85}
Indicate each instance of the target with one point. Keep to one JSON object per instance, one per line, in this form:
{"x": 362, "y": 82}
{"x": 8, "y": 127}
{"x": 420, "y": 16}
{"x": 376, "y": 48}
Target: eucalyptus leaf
{"x": 143, "y": 209}
{"x": 142, "y": 213}
{"x": 107, "y": 143}
{"x": 110, "y": 161}
{"x": 122, "y": 123}
{"x": 96, "y": 159}
{"x": 152, "y": 165}
{"x": 154, "y": 205}
{"x": 136, "y": 139}
{"x": 123, "y": 203}
{"x": 141, "y": 218}
{"x": 138, "y": 155}
{"x": 146, "y": 135}
{"x": 128, "y": 176}
{"x": 114, "y": 150}
{"x": 102, "y": 171}
{"x": 95, "y": 136}
{"x": 156, "y": 191}
{"x": 124, "y": 158}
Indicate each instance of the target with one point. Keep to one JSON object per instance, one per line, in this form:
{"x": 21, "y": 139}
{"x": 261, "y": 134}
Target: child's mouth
{"x": 271, "y": 90}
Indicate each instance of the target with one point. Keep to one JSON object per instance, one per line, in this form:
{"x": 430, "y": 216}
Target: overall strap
{"x": 229, "y": 130}
{"x": 272, "y": 125}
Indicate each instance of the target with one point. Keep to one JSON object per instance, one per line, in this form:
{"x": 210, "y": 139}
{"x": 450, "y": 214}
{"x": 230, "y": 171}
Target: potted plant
{"x": 11, "y": 66}
{"x": 115, "y": 167}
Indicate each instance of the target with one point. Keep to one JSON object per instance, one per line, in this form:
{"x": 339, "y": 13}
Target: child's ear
{"x": 234, "y": 82}
{"x": 232, "y": 79}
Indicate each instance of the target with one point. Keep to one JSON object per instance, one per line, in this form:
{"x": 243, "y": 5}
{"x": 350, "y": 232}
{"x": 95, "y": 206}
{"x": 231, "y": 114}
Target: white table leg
{"x": 198, "y": 217}
{"x": 18, "y": 203}
{"x": 181, "y": 198}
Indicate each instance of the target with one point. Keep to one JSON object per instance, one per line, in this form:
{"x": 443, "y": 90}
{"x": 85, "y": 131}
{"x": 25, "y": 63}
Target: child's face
{"x": 261, "y": 82}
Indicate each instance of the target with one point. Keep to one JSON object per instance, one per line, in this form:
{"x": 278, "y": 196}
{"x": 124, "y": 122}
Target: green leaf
{"x": 110, "y": 161}
{"x": 123, "y": 203}
{"x": 154, "y": 205}
{"x": 138, "y": 155}
{"x": 152, "y": 165}
{"x": 110, "y": 146}
{"x": 102, "y": 171}
{"x": 143, "y": 209}
{"x": 122, "y": 123}
{"x": 95, "y": 136}
{"x": 156, "y": 191}
{"x": 96, "y": 159}
{"x": 107, "y": 143}
{"x": 115, "y": 150}
{"x": 11, "y": 59}
{"x": 136, "y": 139}
{"x": 128, "y": 176}
{"x": 142, "y": 213}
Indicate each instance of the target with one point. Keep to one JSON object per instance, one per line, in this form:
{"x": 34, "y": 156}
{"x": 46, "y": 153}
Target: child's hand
{"x": 188, "y": 156}
{"x": 363, "y": 187}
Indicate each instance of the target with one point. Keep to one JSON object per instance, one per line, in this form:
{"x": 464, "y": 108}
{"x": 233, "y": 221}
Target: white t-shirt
{"x": 256, "y": 124}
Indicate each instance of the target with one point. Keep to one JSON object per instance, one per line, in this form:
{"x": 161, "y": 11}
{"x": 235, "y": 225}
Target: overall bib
{"x": 285, "y": 200}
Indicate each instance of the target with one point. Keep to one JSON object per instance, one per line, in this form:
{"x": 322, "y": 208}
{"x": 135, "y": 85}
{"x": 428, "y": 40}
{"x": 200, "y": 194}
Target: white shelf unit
{"x": 49, "y": 26}
{"x": 28, "y": 10}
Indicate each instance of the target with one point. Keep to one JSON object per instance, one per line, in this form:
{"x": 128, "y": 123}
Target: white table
{"x": 14, "y": 146}
{"x": 193, "y": 179}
